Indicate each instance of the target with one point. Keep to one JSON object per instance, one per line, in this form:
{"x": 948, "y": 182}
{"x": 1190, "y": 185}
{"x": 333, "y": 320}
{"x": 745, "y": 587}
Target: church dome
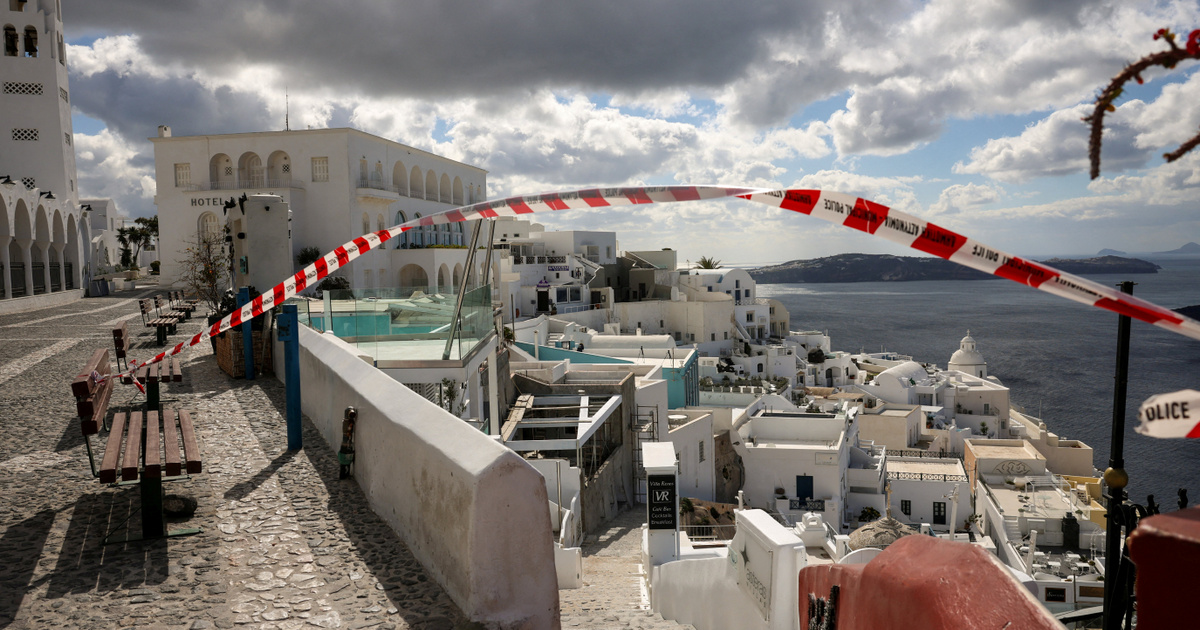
{"x": 966, "y": 356}
{"x": 879, "y": 534}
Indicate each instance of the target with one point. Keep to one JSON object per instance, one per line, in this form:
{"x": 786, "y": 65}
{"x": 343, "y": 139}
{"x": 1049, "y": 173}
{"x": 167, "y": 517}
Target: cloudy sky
{"x": 966, "y": 114}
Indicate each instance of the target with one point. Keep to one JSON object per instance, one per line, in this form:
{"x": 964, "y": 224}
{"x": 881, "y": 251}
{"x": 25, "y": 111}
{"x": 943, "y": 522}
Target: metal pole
{"x": 462, "y": 292}
{"x": 247, "y": 334}
{"x": 1115, "y": 477}
{"x": 289, "y": 333}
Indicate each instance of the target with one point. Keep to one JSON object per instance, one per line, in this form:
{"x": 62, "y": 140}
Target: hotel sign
{"x": 660, "y": 502}
{"x": 208, "y": 201}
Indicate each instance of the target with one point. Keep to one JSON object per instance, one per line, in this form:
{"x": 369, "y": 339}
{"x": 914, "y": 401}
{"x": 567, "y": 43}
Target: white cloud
{"x": 1057, "y": 144}
{"x": 110, "y": 167}
{"x": 960, "y": 197}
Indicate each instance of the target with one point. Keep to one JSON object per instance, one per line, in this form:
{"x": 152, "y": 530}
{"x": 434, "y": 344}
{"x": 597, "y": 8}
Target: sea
{"x": 1057, "y": 357}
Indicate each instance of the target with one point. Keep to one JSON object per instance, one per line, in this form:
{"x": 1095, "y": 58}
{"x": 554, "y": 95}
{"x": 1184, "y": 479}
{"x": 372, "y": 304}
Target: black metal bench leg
{"x": 161, "y": 334}
{"x": 154, "y": 525}
{"x": 152, "y": 396}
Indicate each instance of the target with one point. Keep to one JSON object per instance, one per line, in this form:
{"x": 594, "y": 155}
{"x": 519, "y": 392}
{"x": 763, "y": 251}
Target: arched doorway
{"x": 413, "y": 276}
{"x": 220, "y": 172}
{"x": 250, "y": 170}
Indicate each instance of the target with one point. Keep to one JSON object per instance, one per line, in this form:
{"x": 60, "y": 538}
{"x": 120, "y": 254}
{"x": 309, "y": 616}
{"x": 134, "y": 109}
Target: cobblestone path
{"x": 612, "y": 595}
{"x": 286, "y": 545}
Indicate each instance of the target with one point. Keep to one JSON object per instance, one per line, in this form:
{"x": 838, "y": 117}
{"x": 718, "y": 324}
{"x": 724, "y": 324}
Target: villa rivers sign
{"x": 660, "y": 501}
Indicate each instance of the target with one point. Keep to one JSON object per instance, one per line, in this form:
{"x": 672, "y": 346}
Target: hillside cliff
{"x": 885, "y": 267}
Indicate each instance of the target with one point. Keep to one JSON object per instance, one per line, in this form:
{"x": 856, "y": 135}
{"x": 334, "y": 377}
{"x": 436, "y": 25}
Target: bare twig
{"x": 1104, "y": 103}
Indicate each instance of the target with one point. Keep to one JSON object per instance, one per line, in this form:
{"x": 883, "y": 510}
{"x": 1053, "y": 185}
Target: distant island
{"x": 1189, "y": 250}
{"x": 1103, "y": 264}
{"x": 889, "y": 268}
{"x": 1190, "y": 311}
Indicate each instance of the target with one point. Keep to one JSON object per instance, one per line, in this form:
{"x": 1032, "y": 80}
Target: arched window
{"x": 458, "y": 191}
{"x": 279, "y": 169}
{"x": 250, "y": 170}
{"x": 400, "y": 178}
{"x": 414, "y": 182}
{"x": 402, "y": 240}
{"x": 377, "y": 174}
{"x": 366, "y": 223}
{"x": 220, "y": 172}
{"x": 379, "y": 223}
{"x": 30, "y": 41}
{"x": 444, "y": 189}
{"x": 10, "y": 40}
{"x": 208, "y": 227}
{"x": 431, "y": 186}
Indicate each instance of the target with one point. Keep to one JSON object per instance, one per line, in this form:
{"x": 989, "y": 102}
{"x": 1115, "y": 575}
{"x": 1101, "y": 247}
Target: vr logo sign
{"x": 660, "y": 492}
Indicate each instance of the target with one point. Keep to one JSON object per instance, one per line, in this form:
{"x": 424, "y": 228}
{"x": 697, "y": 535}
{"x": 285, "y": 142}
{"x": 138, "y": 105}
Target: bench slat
{"x": 176, "y": 372}
{"x": 108, "y": 466}
{"x": 133, "y": 448}
{"x": 153, "y": 458}
{"x": 84, "y": 384}
{"x": 190, "y": 449}
{"x": 171, "y": 442}
{"x": 90, "y": 424}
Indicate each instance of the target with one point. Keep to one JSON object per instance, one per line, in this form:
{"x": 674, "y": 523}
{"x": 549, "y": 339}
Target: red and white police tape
{"x": 1171, "y": 415}
{"x": 850, "y": 211}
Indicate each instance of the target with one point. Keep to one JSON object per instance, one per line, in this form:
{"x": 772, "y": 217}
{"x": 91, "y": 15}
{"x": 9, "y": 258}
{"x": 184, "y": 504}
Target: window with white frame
{"x": 320, "y": 169}
{"x": 183, "y": 175}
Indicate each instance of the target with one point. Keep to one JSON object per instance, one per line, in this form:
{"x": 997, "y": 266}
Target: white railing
{"x": 246, "y": 185}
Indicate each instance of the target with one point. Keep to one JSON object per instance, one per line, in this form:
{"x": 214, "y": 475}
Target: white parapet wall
{"x": 752, "y": 584}
{"x": 472, "y": 511}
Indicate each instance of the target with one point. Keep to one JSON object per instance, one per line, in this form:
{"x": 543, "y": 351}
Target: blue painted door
{"x": 804, "y": 487}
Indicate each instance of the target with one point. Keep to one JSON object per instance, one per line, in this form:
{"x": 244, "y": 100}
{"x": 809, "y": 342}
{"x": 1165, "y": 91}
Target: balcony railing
{"x": 710, "y": 532}
{"x": 250, "y": 184}
{"x": 916, "y": 476}
{"x": 806, "y": 505}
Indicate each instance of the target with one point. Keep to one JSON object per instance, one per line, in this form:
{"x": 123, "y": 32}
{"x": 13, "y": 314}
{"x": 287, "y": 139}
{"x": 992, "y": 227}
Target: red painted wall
{"x": 1166, "y": 551}
{"x": 924, "y": 582}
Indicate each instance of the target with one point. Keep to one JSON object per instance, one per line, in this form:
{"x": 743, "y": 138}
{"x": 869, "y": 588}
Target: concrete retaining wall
{"x": 33, "y": 302}
{"x": 472, "y": 511}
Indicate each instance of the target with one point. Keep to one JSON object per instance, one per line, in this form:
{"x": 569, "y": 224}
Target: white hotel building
{"x": 339, "y": 184}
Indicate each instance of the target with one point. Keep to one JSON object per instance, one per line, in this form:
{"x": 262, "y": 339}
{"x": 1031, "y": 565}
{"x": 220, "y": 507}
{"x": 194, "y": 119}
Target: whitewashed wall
{"x": 705, "y": 592}
{"x": 442, "y": 486}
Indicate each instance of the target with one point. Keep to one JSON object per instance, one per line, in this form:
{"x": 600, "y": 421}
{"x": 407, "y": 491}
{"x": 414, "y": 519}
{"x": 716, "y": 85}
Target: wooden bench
{"x": 165, "y": 371}
{"x": 143, "y": 447}
{"x": 180, "y": 304}
{"x": 121, "y": 341}
{"x": 164, "y": 309}
{"x": 162, "y": 325}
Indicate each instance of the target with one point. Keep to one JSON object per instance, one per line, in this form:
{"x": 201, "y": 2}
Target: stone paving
{"x": 286, "y": 544}
{"x": 612, "y": 595}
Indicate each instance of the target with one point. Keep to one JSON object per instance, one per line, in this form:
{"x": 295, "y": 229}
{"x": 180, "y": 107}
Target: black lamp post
{"x": 1116, "y": 478}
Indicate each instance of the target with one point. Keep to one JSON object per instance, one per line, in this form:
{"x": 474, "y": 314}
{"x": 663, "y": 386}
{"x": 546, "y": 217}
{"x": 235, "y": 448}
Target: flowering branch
{"x": 1104, "y": 102}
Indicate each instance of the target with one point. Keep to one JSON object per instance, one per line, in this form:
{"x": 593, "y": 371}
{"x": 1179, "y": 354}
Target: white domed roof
{"x": 966, "y": 353}
{"x": 966, "y": 357}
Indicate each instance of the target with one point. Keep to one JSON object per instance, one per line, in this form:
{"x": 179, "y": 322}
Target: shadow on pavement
{"x": 21, "y": 547}
{"x": 86, "y": 564}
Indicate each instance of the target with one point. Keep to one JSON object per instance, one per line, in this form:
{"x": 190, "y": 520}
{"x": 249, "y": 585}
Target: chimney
{"x": 164, "y": 131}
